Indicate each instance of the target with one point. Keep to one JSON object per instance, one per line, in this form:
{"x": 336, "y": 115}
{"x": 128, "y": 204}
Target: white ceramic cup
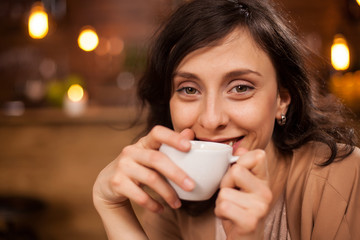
{"x": 206, "y": 163}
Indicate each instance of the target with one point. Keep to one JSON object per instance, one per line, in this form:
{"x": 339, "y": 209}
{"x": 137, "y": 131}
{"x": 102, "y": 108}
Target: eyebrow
{"x": 186, "y": 75}
{"x": 232, "y": 74}
{"x": 241, "y": 72}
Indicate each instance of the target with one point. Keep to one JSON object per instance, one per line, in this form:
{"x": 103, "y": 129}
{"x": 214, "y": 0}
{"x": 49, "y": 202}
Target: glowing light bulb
{"x": 38, "y": 22}
{"x": 75, "y": 93}
{"x": 358, "y": 1}
{"x": 88, "y": 40}
{"x": 340, "y": 54}
{"x": 75, "y": 101}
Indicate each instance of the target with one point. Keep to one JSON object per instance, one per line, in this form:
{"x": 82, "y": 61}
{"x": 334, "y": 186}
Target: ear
{"x": 283, "y": 101}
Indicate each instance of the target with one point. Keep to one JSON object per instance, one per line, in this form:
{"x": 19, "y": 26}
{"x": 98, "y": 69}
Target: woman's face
{"x": 228, "y": 93}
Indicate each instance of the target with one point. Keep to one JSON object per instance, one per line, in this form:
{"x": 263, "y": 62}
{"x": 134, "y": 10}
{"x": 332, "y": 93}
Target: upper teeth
{"x": 231, "y": 143}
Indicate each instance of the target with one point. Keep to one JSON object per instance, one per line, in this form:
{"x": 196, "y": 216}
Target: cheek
{"x": 258, "y": 119}
{"x": 182, "y": 115}
{"x": 255, "y": 117}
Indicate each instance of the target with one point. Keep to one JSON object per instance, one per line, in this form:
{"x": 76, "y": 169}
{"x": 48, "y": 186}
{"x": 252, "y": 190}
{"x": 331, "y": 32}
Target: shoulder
{"x": 326, "y": 197}
{"x": 310, "y": 156}
{"x": 341, "y": 175}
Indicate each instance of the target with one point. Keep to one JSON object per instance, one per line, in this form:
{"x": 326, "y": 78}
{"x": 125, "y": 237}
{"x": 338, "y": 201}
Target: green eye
{"x": 190, "y": 90}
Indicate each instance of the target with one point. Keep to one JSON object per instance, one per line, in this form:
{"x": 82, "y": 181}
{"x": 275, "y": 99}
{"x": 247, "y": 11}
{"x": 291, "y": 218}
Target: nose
{"x": 213, "y": 115}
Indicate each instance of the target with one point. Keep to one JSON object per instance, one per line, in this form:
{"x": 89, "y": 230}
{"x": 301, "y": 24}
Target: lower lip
{"x": 237, "y": 145}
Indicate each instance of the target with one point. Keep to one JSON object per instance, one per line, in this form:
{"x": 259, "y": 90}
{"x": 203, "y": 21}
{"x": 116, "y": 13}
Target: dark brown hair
{"x": 313, "y": 115}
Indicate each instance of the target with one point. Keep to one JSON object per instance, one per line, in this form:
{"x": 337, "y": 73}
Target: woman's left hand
{"x": 245, "y": 196}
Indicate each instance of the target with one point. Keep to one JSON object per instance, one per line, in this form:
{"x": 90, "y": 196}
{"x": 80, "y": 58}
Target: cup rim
{"x": 224, "y": 146}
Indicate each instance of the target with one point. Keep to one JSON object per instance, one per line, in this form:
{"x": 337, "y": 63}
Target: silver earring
{"x": 282, "y": 121}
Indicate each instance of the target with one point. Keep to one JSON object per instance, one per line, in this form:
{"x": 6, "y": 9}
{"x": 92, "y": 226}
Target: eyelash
{"x": 248, "y": 88}
{"x": 184, "y": 89}
{"x": 232, "y": 90}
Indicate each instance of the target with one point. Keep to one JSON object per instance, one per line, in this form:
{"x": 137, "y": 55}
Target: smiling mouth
{"x": 229, "y": 142}
{"x": 233, "y": 141}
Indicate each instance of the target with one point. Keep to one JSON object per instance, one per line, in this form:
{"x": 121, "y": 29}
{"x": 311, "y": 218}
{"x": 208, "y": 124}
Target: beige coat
{"x": 322, "y": 203}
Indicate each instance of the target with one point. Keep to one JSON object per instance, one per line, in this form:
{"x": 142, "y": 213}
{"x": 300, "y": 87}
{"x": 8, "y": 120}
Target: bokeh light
{"x": 88, "y": 39}
{"x": 38, "y": 24}
{"x": 75, "y": 93}
{"x": 340, "y": 54}
{"x": 116, "y": 46}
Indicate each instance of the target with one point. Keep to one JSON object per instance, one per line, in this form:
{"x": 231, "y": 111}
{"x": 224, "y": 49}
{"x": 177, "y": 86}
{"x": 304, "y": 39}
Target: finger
{"x": 188, "y": 133}
{"x": 244, "y": 220}
{"x": 162, "y": 164}
{"x": 255, "y": 161}
{"x": 241, "y": 178}
{"x": 160, "y": 134}
{"x": 156, "y": 182}
{"x": 126, "y": 187}
{"x": 251, "y": 202}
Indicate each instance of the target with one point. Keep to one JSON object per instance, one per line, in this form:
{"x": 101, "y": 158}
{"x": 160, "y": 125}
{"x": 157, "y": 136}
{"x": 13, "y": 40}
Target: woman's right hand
{"x": 142, "y": 164}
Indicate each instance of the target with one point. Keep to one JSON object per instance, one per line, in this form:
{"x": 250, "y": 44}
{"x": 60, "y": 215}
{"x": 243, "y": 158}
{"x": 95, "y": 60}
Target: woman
{"x": 233, "y": 72}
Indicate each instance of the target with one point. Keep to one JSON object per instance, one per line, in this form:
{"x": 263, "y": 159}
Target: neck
{"x": 278, "y": 167}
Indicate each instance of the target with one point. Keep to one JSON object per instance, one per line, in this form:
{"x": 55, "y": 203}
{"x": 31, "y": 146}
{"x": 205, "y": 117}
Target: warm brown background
{"x": 133, "y": 21}
{"x": 45, "y": 154}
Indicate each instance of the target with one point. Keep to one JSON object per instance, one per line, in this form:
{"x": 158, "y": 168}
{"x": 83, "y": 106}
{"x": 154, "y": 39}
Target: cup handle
{"x": 234, "y": 159}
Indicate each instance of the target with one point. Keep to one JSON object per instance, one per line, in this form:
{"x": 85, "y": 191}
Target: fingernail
{"x": 185, "y": 143}
{"x": 188, "y": 184}
{"x": 177, "y": 204}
